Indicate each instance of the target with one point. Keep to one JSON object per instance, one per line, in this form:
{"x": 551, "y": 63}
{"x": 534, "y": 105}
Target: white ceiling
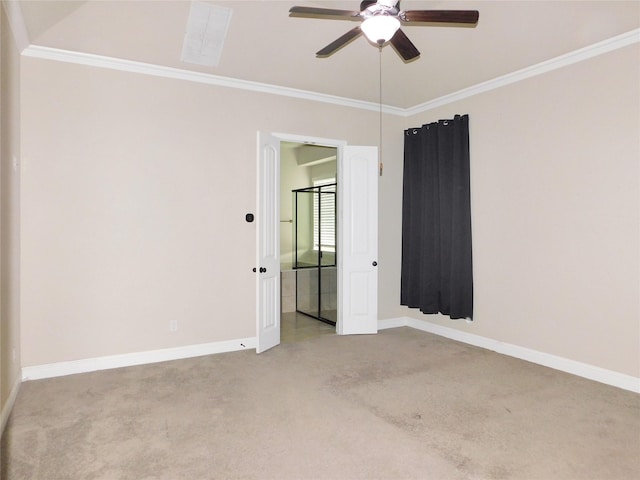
{"x": 265, "y": 45}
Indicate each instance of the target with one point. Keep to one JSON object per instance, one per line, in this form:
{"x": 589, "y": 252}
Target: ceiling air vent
{"x": 206, "y": 30}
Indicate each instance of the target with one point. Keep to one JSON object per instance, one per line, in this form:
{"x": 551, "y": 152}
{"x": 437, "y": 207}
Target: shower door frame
{"x": 319, "y": 266}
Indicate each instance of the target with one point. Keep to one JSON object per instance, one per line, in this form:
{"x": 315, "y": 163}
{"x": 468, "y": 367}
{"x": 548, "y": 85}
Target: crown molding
{"x": 16, "y": 23}
{"x": 100, "y": 61}
{"x": 605, "y": 46}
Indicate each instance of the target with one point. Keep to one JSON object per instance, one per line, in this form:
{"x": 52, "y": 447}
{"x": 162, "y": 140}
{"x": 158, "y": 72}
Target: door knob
{"x": 375, "y": 264}
{"x": 262, "y": 269}
{"x": 254, "y": 269}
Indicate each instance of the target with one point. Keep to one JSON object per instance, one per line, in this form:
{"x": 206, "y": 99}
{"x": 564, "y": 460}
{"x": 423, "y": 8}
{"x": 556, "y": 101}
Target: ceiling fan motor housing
{"x": 380, "y": 23}
{"x": 370, "y": 8}
{"x": 366, "y": 3}
{"x": 383, "y": 3}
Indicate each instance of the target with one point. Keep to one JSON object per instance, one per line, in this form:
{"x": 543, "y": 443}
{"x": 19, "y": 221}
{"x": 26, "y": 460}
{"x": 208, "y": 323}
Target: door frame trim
{"x": 338, "y": 145}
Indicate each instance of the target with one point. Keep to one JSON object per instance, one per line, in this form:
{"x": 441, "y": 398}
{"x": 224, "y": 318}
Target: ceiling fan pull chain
{"x": 380, "y": 81}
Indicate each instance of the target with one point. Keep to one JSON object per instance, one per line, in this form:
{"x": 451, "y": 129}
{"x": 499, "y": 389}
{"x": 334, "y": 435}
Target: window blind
{"x": 324, "y": 215}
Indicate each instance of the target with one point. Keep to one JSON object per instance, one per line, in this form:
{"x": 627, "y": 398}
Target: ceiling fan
{"x": 381, "y": 22}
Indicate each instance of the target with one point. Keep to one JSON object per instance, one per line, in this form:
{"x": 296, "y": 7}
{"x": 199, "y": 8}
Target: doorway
{"x": 357, "y": 237}
{"x": 308, "y": 240}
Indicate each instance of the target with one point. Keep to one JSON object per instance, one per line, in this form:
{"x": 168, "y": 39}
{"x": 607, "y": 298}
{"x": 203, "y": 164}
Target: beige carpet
{"x": 402, "y": 404}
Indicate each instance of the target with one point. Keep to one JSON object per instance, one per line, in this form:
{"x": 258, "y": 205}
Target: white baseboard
{"x": 602, "y": 375}
{"x": 8, "y": 406}
{"x": 598, "y": 374}
{"x": 130, "y": 359}
{"x": 393, "y": 323}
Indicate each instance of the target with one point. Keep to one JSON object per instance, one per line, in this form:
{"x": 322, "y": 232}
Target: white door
{"x": 268, "y": 243}
{"x": 358, "y": 241}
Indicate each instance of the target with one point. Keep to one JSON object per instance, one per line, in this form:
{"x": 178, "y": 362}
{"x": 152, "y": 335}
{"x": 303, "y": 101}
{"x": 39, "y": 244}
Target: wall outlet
{"x": 173, "y": 325}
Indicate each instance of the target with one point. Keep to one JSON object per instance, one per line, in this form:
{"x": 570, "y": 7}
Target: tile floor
{"x": 296, "y": 327}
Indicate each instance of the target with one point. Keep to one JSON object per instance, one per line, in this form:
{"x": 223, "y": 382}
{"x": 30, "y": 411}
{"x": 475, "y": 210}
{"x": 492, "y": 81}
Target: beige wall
{"x": 9, "y": 213}
{"x": 292, "y": 176}
{"x": 556, "y": 219}
{"x": 135, "y": 190}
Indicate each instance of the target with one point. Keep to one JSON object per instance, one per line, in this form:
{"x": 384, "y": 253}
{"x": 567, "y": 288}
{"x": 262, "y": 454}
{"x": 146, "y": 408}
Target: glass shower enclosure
{"x": 314, "y": 255}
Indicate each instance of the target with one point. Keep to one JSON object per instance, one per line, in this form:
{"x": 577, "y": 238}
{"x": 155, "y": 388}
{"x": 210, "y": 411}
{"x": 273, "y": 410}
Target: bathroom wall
{"x": 288, "y": 291}
{"x": 324, "y": 170}
{"x": 292, "y": 177}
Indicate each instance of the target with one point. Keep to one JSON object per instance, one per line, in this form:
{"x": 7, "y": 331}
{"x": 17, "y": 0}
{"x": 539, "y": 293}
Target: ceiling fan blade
{"x": 340, "y": 42}
{"x": 405, "y": 48}
{"x": 444, "y": 16}
{"x": 323, "y": 12}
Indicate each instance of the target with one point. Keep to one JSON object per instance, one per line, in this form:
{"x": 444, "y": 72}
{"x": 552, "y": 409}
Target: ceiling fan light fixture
{"x": 380, "y": 28}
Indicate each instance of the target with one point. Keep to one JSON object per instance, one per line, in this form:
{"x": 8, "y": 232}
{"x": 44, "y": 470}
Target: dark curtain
{"x": 437, "y": 275}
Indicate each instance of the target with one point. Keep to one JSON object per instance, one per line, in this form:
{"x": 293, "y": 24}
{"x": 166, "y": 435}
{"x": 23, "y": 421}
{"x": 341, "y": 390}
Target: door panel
{"x": 358, "y": 285}
{"x": 268, "y": 243}
{"x": 357, "y": 224}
